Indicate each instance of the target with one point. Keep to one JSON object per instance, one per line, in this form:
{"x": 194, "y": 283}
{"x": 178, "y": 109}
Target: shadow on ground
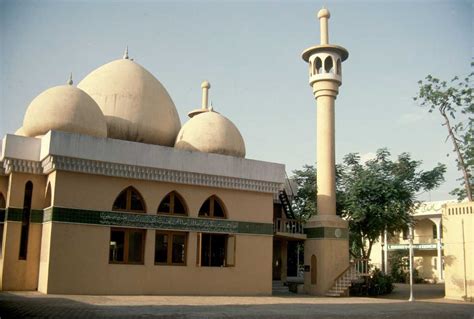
{"x": 35, "y": 305}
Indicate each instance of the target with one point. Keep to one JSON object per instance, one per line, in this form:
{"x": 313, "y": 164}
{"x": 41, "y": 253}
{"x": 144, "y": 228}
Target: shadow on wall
{"x": 449, "y": 260}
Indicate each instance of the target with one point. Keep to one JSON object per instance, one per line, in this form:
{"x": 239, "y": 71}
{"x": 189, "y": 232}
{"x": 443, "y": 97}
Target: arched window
{"x": 328, "y": 65}
{"x": 173, "y": 203}
{"x": 127, "y": 245}
{"x": 129, "y": 200}
{"x": 213, "y": 208}
{"x": 3, "y": 203}
{"x": 47, "y": 197}
{"x": 25, "y": 222}
{"x": 338, "y": 66}
{"x": 318, "y": 65}
{"x": 311, "y": 66}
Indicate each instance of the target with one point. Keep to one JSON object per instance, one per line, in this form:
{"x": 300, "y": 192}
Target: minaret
{"x": 326, "y": 247}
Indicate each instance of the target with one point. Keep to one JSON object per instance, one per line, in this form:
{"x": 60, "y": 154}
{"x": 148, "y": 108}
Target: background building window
{"x": 212, "y": 207}
{"x": 173, "y": 203}
{"x": 216, "y": 250}
{"x": 127, "y": 246}
{"x": 170, "y": 248}
{"x": 129, "y": 200}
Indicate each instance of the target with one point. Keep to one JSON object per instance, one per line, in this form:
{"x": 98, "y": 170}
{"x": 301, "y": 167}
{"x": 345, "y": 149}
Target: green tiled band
{"x": 326, "y": 232}
{"x": 15, "y": 214}
{"x": 36, "y": 216}
{"x": 107, "y": 218}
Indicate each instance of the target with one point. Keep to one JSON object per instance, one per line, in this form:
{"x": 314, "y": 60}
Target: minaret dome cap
{"x": 324, "y": 13}
{"x": 205, "y": 85}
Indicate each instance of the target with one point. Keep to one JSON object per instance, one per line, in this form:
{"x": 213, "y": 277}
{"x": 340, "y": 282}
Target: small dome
{"x": 211, "y": 132}
{"x": 135, "y": 104}
{"x": 20, "y": 131}
{"x": 63, "y": 108}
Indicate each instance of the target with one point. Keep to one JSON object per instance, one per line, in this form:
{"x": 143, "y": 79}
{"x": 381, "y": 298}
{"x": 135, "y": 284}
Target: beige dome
{"x": 20, "y": 131}
{"x": 64, "y": 108}
{"x": 211, "y": 132}
{"x": 135, "y": 104}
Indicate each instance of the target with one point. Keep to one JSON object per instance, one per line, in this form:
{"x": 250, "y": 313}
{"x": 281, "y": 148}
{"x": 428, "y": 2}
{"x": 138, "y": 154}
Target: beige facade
{"x": 428, "y": 243}
{"x": 458, "y": 224}
{"x": 99, "y": 194}
{"x": 72, "y": 217}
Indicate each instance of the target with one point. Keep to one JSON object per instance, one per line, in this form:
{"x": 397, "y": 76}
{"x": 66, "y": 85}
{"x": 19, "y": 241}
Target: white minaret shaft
{"x": 324, "y": 16}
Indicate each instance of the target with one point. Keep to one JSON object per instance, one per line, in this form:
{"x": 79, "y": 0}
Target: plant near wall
{"x": 454, "y": 100}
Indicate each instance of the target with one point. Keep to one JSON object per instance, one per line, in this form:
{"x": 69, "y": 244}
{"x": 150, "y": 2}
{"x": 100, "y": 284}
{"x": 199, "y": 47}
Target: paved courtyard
{"x": 429, "y": 304}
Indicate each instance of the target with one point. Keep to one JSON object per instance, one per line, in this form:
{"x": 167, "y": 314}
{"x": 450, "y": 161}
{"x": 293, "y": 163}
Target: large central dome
{"x": 136, "y": 105}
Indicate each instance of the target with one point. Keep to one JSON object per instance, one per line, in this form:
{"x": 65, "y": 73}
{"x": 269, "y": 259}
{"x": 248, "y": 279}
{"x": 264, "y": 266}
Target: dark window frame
{"x": 126, "y": 248}
{"x": 227, "y": 239}
{"x": 212, "y": 200}
{"x": 169, "y": 253}
{"x": 174, "y": 195}
{"x": 128, "y": 201}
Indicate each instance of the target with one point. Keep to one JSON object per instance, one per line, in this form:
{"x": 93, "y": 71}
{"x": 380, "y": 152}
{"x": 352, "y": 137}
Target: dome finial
{"x": 205, "y": 85}
{"x": 125, "y": 54}
{"x": 70, "y": 82}
{"x": 211, "y": 108}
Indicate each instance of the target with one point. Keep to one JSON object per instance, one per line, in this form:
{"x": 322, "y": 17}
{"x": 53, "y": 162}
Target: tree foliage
{"x": 455, "y": 102}
{"x": 304, "y": 205}
{"x": 373, "y": 196}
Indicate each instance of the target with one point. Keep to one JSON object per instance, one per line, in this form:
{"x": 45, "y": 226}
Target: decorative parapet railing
{"x": 290, "y": 226}
{"x": 466, "y": 208}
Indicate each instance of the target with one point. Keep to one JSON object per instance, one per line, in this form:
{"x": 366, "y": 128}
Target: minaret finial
{"x": 70, "y": 82}
{"x": 125, "y": 54}
{"x": 205, "y": 94}
{"x": 323, "y": 16}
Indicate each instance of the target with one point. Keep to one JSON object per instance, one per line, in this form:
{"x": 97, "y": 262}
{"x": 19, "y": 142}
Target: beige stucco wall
{"x": 332, "y": 258}
{"x": 78, "y": 259}
{"x": 79, "y": 264}
{"x": 459, "y": 251}
{"x": 22, "y": 274}
{"x": 96, "y": 192}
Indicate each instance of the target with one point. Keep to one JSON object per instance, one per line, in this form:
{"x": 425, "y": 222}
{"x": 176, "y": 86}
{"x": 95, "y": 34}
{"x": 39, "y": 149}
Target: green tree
{"x": 455, "y": 103}
{"x": 373, "y": 196}
{"x": 304, "y": 205}
{"x": 380, "y": 195}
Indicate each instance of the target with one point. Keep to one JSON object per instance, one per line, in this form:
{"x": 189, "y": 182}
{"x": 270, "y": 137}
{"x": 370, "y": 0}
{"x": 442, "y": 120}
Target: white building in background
{"x": 427, "y": 243}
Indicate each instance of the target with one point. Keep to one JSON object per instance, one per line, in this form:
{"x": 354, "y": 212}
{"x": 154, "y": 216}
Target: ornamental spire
{"x": 125, "y": 54}
{"x": 70, "y": 82}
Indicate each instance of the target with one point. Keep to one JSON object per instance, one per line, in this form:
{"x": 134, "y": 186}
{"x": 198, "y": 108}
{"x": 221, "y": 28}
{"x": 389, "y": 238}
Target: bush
{"x": 377, "y": 284}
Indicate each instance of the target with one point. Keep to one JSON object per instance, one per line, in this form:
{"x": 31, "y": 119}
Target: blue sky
{"x": 250, "y": 52}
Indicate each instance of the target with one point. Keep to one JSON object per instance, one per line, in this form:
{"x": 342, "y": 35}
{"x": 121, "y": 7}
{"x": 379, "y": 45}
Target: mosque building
{"x": 103, "y": 191}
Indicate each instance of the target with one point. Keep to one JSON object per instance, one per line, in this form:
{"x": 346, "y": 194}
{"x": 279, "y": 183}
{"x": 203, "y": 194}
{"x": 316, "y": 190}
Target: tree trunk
{"x": 467, "y": 184}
